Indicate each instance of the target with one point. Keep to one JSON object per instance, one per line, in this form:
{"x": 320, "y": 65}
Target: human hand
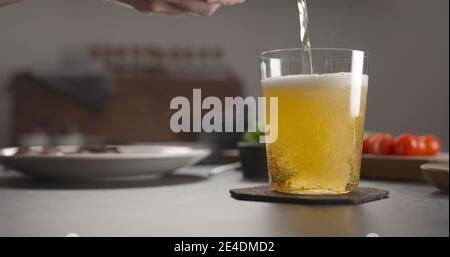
{"x": 179, "y": 7}
{"x": 6, "y": 2}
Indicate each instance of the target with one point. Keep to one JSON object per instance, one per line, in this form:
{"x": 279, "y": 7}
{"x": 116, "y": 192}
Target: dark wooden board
{"x": 397, "y": 167}
{"x": 267, "y": 194}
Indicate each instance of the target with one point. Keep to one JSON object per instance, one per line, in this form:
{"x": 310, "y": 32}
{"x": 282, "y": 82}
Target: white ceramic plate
{"x": 131, "y": 161}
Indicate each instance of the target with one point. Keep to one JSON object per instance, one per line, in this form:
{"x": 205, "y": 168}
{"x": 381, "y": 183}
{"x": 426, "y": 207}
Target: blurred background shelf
{"x": 117, "y": 102}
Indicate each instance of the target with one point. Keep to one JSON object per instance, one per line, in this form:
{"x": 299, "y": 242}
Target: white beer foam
{"x": 328, "y": 79}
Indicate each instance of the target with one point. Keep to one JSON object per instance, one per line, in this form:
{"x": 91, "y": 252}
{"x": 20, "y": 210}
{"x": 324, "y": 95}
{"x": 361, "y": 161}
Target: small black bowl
{"x": 254, "y": 160}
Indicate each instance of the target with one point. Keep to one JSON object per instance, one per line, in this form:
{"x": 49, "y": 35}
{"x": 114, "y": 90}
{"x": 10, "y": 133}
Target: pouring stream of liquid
{"x": 304, "y": 33}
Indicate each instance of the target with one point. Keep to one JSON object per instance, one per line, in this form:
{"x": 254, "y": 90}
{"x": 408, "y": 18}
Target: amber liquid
{"x": 320, "y": 133}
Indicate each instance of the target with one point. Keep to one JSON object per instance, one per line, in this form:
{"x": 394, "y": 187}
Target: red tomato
{"x": 378, "y": 144}
{"x": 421, "y": 145}
{"x": 431, "y": 144}
{"x": 407, "y": 145}
{"x": 370, "y": 145}
{"x": 386, "y": 145}
{"x": 366, "y": 144}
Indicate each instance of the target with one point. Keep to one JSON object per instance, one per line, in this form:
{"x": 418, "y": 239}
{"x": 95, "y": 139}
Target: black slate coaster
{"x": 267, "y": 194}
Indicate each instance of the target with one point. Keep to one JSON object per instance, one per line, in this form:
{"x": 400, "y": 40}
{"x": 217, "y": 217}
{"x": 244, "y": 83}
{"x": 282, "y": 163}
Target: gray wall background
{"x": 408, "y": 41}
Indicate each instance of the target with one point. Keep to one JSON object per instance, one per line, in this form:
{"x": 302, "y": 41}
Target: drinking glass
{"x": 321, "y": 109}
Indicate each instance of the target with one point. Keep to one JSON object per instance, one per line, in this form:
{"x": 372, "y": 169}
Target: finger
{"x": 157, "y": 6}
{"x": 7, "y": 2}
{"x": 125, "y": 3}
{"x": 226, "y": 2}
{"x": 198, "y": 6}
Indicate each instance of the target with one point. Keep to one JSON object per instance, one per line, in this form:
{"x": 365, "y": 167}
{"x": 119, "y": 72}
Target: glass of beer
{"x": 321, "y": 109}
